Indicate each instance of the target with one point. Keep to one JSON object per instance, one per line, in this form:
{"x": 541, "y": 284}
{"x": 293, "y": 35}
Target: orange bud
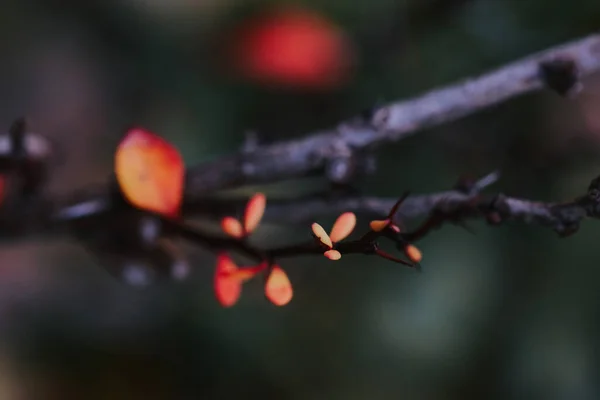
{"x": 278, "y": 288}
{"x": 255, "y": 210}
{"x": 343, "y": 226}
{"x": 333, "y": 255}
{"x": 395, "y": 228}
{"x": 321, "y": 234}
{"x": 150, "y": 172}
{"x": 413, "y": 253}
{"x": 232, "y": 227}
{"x": 227, "y": 285}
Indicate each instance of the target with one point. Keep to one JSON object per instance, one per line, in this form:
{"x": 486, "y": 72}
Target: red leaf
{"x": 293, "y": 47}
{"x": 228, "y": 286}
{"x": 150, "y": 172}
{"x": 278, "y": 288}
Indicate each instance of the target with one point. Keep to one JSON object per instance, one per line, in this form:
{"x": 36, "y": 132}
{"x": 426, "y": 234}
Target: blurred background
{"x": 511, "y": 312}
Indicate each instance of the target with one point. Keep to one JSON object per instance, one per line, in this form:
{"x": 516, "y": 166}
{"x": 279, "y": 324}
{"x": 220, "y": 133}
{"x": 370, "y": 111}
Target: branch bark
{"x": 337, "y": 149}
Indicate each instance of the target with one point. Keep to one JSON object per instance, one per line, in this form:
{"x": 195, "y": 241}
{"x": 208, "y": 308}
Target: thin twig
{"x": 450, "y": 206}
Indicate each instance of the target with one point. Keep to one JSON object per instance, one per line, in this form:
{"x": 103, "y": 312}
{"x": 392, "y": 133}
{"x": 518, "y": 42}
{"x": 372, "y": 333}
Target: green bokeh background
{"x": 511, "y": 312}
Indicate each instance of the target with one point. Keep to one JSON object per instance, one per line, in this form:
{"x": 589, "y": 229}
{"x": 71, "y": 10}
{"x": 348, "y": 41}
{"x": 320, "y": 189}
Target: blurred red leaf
{"x": 228, "y": 285}
{"x": 150, "y": 172}
{"x": 293, "y": 47}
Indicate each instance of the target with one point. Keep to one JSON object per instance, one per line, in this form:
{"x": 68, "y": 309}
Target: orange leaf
{"x": 333, "y": 255}
{"x": 254, "y": 212}
{"x": 278, "y": 288}
{"x": 150, "y": 172}
{"x": 413, "y": 253}
{"x": 379, "y": 225}
{"x": 228, "y": 287}
{"x": 232, "y": 227}
{"x": 343, "y": 226}
{"x": 321, "y": 234}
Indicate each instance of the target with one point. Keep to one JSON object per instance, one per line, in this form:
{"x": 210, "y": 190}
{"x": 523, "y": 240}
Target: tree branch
{"x": 337, "y": 150}
{"x": 104, "y": 222}
{"x": 455, "y": 206}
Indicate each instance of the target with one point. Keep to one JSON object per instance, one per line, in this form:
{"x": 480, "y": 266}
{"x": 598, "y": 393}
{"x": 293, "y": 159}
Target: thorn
{"x": 466, "y": 185}
{"x": 470, "y": 186}
{"x": 394, "y": 209}
{"x": 390, "y": 257}
{"x": 487, "y": 180}
{"x": 368, "y": 114}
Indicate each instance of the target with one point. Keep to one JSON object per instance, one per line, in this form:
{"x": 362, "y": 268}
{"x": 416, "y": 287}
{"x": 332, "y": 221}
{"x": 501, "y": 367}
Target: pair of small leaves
{"x": 229, "y": 279}
{"x": 341, "y": 229}
{"x": 255, "y": 209}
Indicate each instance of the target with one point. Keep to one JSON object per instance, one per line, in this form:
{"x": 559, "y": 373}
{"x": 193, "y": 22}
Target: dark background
{"x": 511, "y": 312}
